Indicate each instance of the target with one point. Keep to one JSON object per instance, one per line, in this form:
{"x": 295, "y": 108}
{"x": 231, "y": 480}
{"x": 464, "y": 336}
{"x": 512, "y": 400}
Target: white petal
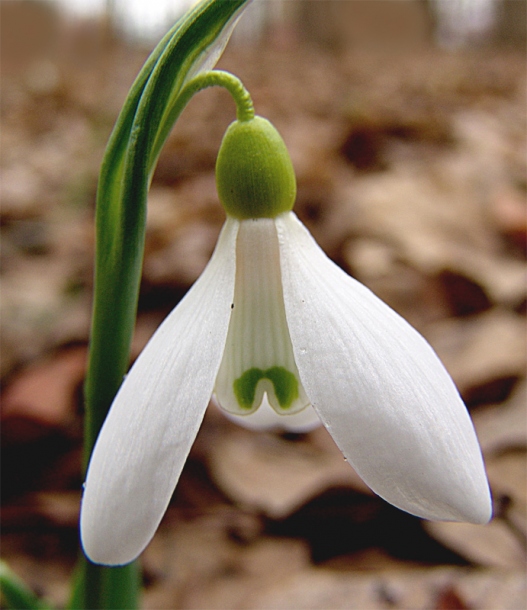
{"x": 380, "y": 389}
{"x": 155, "y": 417}
{"x": 266, "y": 418}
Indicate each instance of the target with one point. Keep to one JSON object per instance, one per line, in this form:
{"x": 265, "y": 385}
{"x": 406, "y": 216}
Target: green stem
{"x": 213, "y": 78}
{"x": 101, "y": 588}
{"x": 220, "y": 78}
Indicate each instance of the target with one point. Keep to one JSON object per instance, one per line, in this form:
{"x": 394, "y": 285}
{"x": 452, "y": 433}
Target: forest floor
{"x": 412, "y": 176}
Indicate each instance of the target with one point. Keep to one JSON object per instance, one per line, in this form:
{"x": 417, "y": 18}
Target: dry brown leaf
{"x": 506, "y": 590}
{"x": 491, "y": 545}
{"x": 510, "y": 213}
{"x": 60, "y": 508}
{"x": 484, "y": 354}
{"x": 199, "y": 564}
{"x": 419, "y": 589}
{"x": 276, "y": 476}
{"x": 182, "y": 261}
{"x": 43, "y": 394}
{"x": 449, "y": 599}
{"x": 508, "y": 479}
{"x": 504, "y": 280}
{"x": 55, "y": 508}
{"x": 503, "y": 426}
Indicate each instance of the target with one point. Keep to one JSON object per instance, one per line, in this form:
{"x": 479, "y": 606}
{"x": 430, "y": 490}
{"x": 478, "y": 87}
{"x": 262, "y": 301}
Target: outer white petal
{"x": 380, "y": 389}
{"x": 155, "y": 416}
{"x": 266, "y": 418}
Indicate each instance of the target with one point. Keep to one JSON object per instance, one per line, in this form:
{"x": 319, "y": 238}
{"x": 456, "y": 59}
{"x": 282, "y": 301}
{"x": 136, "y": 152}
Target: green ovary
{"x": 284, "y": 382}
{"x": 254, "y": 173}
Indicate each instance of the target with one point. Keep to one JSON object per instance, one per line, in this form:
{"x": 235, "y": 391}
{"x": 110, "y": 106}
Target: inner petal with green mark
{"x": 258, "y": 357}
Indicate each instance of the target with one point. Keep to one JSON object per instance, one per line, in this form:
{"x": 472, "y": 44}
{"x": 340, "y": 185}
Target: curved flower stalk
{"x": 273, "y": 319}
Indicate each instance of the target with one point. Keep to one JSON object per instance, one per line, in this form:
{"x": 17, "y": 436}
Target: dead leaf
{"x": 276, "y": 476}
{"x": 507, "y": 474}
{"x": 449, "y": 599}
{"x": 417, "y": 589}
{"x": 503, "y": 426}
{"x": 510, "y": 213}
{"x": 200, "y": 565}
{"x": 491, "y": 545}
{"x": 485, "y": 354}
{"x": 42, "y": 396}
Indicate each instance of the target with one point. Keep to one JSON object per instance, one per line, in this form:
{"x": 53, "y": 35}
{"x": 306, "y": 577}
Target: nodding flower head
{"x": 273, "y": 324}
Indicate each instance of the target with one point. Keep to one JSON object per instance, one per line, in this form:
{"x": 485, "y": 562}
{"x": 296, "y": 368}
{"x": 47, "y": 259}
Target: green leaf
{"x": 193, "y": 45}
{"x": 16, "y": 595}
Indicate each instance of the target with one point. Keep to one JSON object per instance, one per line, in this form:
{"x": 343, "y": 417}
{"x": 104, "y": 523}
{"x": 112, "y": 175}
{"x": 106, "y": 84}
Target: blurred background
{"x": 406, "y": 122}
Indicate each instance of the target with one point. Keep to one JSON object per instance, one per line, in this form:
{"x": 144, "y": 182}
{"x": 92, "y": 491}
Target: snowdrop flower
{"x": 273, "y": 319}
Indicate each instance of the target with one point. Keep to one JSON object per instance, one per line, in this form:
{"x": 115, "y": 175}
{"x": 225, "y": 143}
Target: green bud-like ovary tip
{"x": 284, "y": 382}
{"x": 254, "y": 174}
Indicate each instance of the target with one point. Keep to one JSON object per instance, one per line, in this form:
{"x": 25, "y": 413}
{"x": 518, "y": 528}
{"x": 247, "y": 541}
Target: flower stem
{"x": 220, "y": 78}
{"x": 204, "y": 80}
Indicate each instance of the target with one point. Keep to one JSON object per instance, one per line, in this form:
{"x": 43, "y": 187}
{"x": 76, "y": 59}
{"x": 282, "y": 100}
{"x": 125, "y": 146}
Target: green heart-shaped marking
{"x": 284, "y": 382}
